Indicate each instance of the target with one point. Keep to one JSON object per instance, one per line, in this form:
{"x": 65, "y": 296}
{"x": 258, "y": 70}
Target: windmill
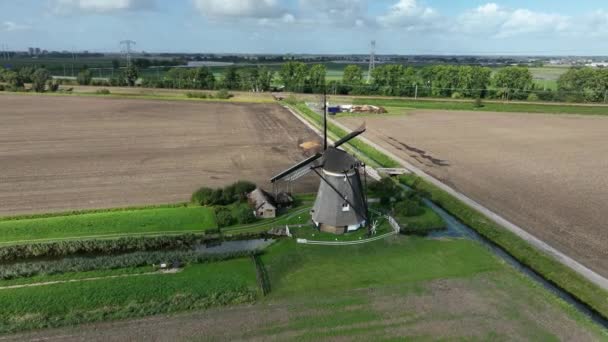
{"x": 341, "y": 203}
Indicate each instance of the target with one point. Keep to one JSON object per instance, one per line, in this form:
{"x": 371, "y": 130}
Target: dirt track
{"x": 63, "y": 153}
{"x": 545, "y": 173}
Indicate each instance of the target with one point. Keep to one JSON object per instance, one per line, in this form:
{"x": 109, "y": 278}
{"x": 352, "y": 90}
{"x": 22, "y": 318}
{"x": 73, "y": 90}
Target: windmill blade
{"x": 301, "y": 165}
{"x": 350, "y": 136}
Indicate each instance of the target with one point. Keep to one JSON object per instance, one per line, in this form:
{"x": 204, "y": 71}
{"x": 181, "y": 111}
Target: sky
{"x": 410, "y": 27}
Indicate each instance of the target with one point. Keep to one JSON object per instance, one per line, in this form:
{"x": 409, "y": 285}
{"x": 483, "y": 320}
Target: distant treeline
{"x": 451, "y": 81}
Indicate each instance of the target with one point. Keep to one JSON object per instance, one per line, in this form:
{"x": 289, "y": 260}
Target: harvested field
{"x": 545, "y": 173}
{"x": 61, "y": 153}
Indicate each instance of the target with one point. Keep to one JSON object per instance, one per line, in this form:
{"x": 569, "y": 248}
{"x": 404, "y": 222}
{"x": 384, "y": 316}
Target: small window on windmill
{"x": 345, "y": 207}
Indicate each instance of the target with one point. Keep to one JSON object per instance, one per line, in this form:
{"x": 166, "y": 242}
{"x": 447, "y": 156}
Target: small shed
{"x": 263, "y": 204}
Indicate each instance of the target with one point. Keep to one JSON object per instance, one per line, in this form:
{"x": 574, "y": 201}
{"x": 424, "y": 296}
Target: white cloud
{"x": 100, "y": 6}
{"x": 336, "y": 12}
{"x": 263, "y": 9}
{"x": 11, "y": 26}
{"x": 499, "y": 22}
{"x": 412, "y": 16}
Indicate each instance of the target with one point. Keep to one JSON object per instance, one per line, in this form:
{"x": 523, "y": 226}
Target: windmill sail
{"x": 296, "y": 171}
{"x": 350, "y": 136}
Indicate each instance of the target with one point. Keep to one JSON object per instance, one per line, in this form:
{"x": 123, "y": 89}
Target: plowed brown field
{"x": 61, "y": 153}
{"x": 546, "y": 173}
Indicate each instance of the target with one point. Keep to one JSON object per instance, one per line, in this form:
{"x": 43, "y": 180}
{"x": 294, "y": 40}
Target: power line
{"x": 372, "y": 61}
{"x": 127, "y": 49}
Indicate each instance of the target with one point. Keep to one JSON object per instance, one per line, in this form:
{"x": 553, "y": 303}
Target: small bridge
{"x": 394, "y": 171}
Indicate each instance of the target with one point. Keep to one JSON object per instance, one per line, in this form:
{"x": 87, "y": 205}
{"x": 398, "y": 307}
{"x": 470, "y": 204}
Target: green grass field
{"x": 370, "y": 291}
{"x": 196, "y": 287}
{"x": 421, "y": 224}
{"x": 297, "y": 268}
{"x": 487, "y": 106}
{"x": 153, "y": 221}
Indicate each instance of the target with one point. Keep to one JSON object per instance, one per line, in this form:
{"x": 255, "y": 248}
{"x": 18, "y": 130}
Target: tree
{"x": 395, "y": 80}
{"x": 39, "y": 79}
{"x": 115, "y": 64}
{"x": 316, "y": 78}
{"x": 131, "y": 75}
{"x": 244, "y": 214}
{"x": 231, "y": 79}
{"x": 203, "y": 196}
{"x": 202, "y": 78}
{"x": 294, "y": 75}
{"x": 473, "y": 80}
{"x": 223, "y": 217}
{"x": 250, "y": 79}
{"x": 265, "y": 75}
{"x": 353, "y": 75}
{"x": 13, "y": 79}
{"x": 513, "y": 81}
{"x": 84, "y": 77}
{"x": 26, "y": 74}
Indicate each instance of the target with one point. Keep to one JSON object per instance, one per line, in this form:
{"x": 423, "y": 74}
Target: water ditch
{"x": 456, "y": 229}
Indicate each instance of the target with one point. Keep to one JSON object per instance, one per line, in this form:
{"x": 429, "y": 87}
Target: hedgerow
{"x": 137, "y": 259}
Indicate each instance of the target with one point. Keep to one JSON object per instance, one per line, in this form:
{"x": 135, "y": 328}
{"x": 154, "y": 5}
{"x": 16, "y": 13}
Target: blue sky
{"x": 310, "y": 26}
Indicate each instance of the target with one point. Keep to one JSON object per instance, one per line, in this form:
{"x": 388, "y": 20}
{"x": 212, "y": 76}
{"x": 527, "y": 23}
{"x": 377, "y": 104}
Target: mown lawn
{"x": 196, "y": 287}
{"x": 487, "y": 106}
{"x": 108, "y": 224}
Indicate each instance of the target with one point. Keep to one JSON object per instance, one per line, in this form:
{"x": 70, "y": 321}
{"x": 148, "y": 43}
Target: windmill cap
{"x": 338, "y": 161}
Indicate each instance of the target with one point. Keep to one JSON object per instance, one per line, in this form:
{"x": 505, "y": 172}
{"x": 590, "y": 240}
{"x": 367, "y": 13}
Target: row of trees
{"x": 584, "y": 85}
{"x": 509, "y": 83}
{"x": 436, "y": 81}
{"x": 40, "y": 78}
{"x": 254, "y": 79}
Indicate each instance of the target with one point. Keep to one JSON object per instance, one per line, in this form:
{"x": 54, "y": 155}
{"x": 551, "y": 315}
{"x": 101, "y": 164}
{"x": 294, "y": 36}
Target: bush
{"x": 97, "y": 247}
{"x": 2, "y": 87}
{"x": 137, "y": 259}
{"x": 236, "y": 192}
{"x": 192, "y": 95}
{"x": 478, "y": 103}
{"x": 385, "y": 185}
{"x": 532, "y": 97}
{"x": 223, "y": 94}
{"x": 223, "y": 217}
{"x": 244, "y": 214}
{"x": 84, "y": 77}
{"x": 53, "y": 85}
{"x": 408, "y": 208}
{"x": 457, "y": 95}
{"x": 39, "y": 79}
{"x": 102, "y": 92}
{"x": 203, "y": 196}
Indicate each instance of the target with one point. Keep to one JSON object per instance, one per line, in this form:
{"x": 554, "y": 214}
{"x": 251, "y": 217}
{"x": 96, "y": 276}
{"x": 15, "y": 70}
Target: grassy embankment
{"x": 196, "y": 287}
{"x": 487, "y": 106}
{"x": 546, "y": 266}
{"x": 149, "y": 94}
{"x": 107, "y": 224}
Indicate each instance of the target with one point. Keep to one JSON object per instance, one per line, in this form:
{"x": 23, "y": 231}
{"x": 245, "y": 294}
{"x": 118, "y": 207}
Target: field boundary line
{"x": 55, "y": 282}
{"x": 579, "y": 268}
{"x": 106, "y": 236}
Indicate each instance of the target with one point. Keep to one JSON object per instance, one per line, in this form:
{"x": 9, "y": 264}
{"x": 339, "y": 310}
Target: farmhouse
{"x": 263, "y": 204}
